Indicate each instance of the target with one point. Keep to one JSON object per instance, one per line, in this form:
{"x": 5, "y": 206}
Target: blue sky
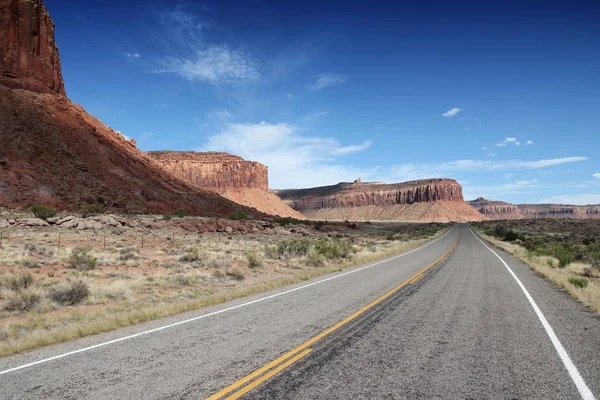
{"x": 502, "y": 96}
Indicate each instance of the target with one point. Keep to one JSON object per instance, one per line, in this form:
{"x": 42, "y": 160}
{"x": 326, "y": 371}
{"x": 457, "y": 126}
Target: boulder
{"x": 4, "y": 223}
{"x": 32, "y": 222}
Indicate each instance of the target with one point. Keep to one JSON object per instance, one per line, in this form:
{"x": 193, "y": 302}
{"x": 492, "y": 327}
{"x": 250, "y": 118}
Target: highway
{"x": 453, "y": 319}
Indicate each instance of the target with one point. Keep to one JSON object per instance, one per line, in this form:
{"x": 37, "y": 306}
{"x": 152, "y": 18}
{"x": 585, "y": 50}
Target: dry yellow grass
{"x": 590, "y": 295}
{"x": 154, "y": 283}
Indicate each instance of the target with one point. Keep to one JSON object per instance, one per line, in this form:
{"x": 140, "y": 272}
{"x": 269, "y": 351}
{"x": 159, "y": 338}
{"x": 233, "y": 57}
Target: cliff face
{"x": 53, "y": 152}
{"x": 560, "y": 211}
{"x": 435, "y": 200}
{"x": 497, "y": 209}
{"x": 501, "y": 210}
{"x": 359, "y": 194}
{"x": 241, "y": 181}
{"x": 215, "y": 171}
{"x": 29, "y": 55}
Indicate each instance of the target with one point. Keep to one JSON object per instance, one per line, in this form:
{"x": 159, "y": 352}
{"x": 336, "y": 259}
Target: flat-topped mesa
{"x": 560, "y": 211}
{"x": 213, "y": 170}
{"x": 29, "y": 56}
{"x": 359, "y": 193}
{"x": 496, "y": 209}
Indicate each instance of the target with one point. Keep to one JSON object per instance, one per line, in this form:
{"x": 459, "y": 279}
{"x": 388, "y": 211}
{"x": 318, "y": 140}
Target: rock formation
{"x": 499, "y": 210}
{"x": 53, "y": 152}
{"x": 424, "y": 200}
{"x": 245, "y": 182}
{"x": 29, "y": 55}
{"x": 215, "y": 171}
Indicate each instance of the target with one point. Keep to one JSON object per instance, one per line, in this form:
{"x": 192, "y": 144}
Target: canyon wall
{"x": 358, "y": 194}
{"x": 212, "y": 170}
{"x": 241, "y": 181}
{"x": 499, "y": 210}
{"x": 430, "y": 200}
{"x": 29, "y": 55}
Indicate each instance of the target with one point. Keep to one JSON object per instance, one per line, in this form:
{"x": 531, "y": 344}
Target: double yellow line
{"x": 251, "y": 381}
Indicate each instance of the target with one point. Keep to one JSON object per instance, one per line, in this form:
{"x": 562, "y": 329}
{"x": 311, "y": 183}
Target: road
{"x": 449, "y": 320}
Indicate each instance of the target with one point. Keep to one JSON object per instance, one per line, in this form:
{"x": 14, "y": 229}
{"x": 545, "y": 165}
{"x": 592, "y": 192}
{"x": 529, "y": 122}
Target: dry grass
{"x": 546, "y": 267}
{"x": 131, "y": 284}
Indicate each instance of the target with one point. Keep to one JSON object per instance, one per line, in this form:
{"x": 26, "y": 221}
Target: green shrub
{"x": 240, "y": 215}
{"x": 236, "y": 274}
{"x": 511, "y": 236}
{"x": 129, "y": 253}
{"x": 287, "y": 221}
{"x": 579, "y": 282}
{"x": 191, "y": 255}
{"x": 25, "y": 299}
{"x": 81, "y": 259}
{"x": 333, "y": 248}
{"x": 315, "y": 260}
{"x": 70, "y": 293}
{"x": 42, "y": 211}
{"x": 19, "y": 282}
{"x": 91, "y": 210}
{"x": 593, "y": 255}
{"x": 254, "y": 260}
{"x": 167, "y": 217}
{"x": 30, "y": 263}
{"x": 550, "y": 263}
{"x": 179, "y": 213}
{"x": 563, "y": 253}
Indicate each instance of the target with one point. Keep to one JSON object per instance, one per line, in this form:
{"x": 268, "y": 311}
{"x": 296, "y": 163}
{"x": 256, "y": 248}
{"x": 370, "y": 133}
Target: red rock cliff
{"x": 215, "y": 171}
{"x": 358, "y": 194}
{"x": 29, "y": 55}
{"x": 497, "y": 209}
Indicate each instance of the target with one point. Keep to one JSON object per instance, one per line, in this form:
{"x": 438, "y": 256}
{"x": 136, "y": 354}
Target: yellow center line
{"x": 416, "y": 278}
{"x": 263, "y": 378}
{"x": 326, "y": 332}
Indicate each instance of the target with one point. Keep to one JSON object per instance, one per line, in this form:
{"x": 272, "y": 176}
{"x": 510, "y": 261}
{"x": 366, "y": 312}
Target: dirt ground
{"x": 57, "y": 283}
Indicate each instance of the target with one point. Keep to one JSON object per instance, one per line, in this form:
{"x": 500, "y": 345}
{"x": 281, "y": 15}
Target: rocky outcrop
{"x": 496, "y": 209}
{"x": 29, "y": 56}
{"x": 358, "y": 194}
{"x": 430, "y": 200}
{"x": 560, "y": 211}
{"x": 245, "y": 182}
{"x": 499, "y": 210}
{"x": 53, "y": 152}
{"x": 213, "y": 170}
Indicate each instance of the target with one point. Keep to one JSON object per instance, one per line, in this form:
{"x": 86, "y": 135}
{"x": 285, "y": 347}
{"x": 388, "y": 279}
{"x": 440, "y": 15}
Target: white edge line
{"x": 70, "y": 353}
{"x": 583, "y": 388}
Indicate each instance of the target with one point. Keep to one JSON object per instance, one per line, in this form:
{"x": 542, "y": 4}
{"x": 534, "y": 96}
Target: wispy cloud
{"x": 322, "y": 81}
{"x": 452, "y": 112}
{"x": 596, "y": 175}
{"x": 215, "y": 65}
{"x": 219, "y": 115}
{"x": 315, "y": 115}
{"x": 195, "y": 58}
{"x": 290, "y": 96}
{"x": 294, "y": 158}
{"x": 528, "y": 143}
{"x": 420, "y": 171}
{"x": 133, "y": 55}
{"x": 575, "y": 199}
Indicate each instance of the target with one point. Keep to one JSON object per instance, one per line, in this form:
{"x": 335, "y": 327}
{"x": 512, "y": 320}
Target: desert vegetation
{"x": 564, "y": 251}
{"x": 57, "y": 284}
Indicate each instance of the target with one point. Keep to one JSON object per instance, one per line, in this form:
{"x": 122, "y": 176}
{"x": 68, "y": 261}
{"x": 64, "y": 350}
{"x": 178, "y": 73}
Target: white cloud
{"x": 506, "y": 141}
{"x": 484, "y": 148}
{"x": 452, "y": 112}
{"x": 290, "y": 96}
{"x": 294, "y": 159}
{"x": 321, "y": 81}
{"x": 134, "y": 55}
{"x": 491, "y": 154}
{"x": 597, "y": 175}
{"x": 216, "y": 65}
{"x": 576, "y": 199}
{"x": 405, "y": 172}
{"x": 528, "y": 143}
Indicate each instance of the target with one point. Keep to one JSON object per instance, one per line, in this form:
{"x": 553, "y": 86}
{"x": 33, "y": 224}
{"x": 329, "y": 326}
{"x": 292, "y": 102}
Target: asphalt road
{"x": 429, "y": 324}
